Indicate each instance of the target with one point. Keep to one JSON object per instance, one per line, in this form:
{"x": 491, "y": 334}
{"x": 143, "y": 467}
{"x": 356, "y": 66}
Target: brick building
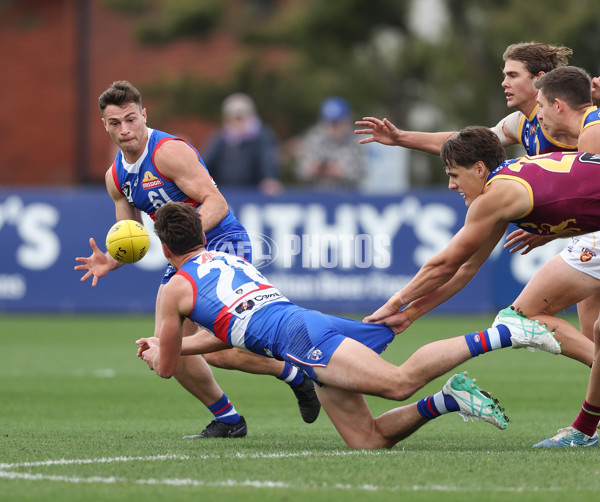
{"x": 57, "y": 58}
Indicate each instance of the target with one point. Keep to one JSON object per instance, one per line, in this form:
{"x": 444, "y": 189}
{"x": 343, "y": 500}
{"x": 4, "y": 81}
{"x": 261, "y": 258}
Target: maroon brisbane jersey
{"x": 564, "y": 191}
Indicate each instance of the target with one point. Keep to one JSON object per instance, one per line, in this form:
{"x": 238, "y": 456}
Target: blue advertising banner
{"x": 335, "y": 252}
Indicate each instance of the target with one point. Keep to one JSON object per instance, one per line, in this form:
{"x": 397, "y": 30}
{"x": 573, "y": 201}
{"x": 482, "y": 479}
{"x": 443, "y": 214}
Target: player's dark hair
{"x": 472, "y": 144}
{"x": 538, "y": 57}
{"x": 178, "y": 226}
{"x": 571, "y": 84}
{"x": 119, "y": 93}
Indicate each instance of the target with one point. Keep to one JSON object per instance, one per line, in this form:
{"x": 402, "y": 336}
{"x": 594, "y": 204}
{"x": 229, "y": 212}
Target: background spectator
{"x": 245, "y": 151}
{"x": 330, "y": 155}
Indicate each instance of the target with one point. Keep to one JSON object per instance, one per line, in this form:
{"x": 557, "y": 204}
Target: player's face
{"x": 547, "y": 115}
{"x": 467, "y": 182}
{"x": 518, "y": 86}
{"x": 126, "y": 126}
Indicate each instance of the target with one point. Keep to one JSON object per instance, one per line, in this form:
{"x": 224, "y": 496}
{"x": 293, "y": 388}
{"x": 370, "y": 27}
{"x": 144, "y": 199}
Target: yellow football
{"x": 127, "y": 241}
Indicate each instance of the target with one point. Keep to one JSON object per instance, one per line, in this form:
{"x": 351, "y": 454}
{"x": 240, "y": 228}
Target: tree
{"x": 295, "y": 53}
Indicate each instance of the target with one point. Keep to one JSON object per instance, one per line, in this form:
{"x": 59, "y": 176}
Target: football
{"x": 127, "y": 241}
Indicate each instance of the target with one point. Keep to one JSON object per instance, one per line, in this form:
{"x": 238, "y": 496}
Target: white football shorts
{"x": 582, "y": 253}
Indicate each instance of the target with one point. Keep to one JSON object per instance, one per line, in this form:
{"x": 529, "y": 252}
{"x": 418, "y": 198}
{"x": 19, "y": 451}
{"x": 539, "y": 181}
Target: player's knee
{"x": 596, "y": 331}
{"x": 398, "y": 389}
{"x": 192, "y": 367}
{"x": 400, "y": 393}
{"x": 372, "y": 441}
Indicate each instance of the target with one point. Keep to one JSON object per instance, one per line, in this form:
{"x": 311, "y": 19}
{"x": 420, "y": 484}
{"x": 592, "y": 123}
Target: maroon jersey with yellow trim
{"x": 564, "y": 191}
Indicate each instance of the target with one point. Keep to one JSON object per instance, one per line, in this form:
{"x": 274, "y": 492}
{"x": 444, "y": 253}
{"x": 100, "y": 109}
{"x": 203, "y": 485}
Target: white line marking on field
{"x": 101, "y": 460}
{"x": 6, "y": 473}
{"x": 7, "y": 470}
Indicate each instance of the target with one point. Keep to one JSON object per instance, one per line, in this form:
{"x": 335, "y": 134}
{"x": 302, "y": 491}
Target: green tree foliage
{"x": 161, "y": 22}
{"x": 133, "y": 7}
{"x": 370, "y": 53}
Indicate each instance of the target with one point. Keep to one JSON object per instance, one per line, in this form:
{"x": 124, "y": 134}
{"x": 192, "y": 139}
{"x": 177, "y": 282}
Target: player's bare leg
{"x": 351, "y": 416}
{"x": 587, "y": 311}
{"x": 194, "y": 374}
{"x": 583, "y": 431}
{"x": 354, "y": 370}
{"x": 593, "y": 391}
{"x": 572, "y": 342}
{"x": 357, "y": 368}
{"x": 555, "y": 287}
{"x": 242, "y": 360}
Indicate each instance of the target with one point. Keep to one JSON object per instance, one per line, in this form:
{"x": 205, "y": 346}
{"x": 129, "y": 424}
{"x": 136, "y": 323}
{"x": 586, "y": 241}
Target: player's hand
{"x": 521, "y": 240}
{"x": 382, "y": 131}
{"x": 145, "y": 344}
{"x": 397, "y": 322}
{"x": 389, "y": 316}
{"x": 149, "y": 356}
{"x": 148, "y": 349}
{"x": 97, "y": 265}
{"x": 596, "y": 90}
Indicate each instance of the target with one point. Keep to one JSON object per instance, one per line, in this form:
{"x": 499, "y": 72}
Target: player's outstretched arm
{"x": 386, "y": 133}
{"x": 381, "y": 131}
{"x": 97, "y": 265}
{"x": 202, "y": 342}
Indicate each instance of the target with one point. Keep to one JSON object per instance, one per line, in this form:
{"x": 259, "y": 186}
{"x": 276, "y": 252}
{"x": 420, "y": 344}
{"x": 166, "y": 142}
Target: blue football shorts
{"x": 315, "y": 336}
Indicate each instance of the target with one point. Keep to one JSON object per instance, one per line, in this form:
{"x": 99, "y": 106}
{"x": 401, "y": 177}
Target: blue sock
{"x": 224, "y": 411}
{"x": 490, "y": 339}
{"x": 436, "y": 405}
{"x": 291, "y": 375}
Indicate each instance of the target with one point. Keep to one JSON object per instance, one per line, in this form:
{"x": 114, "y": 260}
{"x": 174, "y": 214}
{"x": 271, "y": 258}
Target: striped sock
{"x": 224, "y": 411}
{"x": 436, "y": 405}
{"x": 490, "y": 339}
{"x": 588, "y": 419}
{"x": 291, "y": 375}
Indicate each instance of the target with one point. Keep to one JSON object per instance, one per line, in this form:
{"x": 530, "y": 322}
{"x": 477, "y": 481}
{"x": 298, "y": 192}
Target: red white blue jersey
{"x": 147, "y": 189}
{"x": 228, "y": 292}
{"x": 535, "y": 139}
{"x": 236, "y": 302}
{"x": 564, "y": 191}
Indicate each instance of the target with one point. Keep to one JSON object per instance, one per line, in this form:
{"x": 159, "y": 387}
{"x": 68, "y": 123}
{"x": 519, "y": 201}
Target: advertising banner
{"x": 337, "y": 252}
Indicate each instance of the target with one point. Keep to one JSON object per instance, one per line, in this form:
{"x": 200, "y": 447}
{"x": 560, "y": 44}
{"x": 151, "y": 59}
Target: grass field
{"x": 83, "y": 419}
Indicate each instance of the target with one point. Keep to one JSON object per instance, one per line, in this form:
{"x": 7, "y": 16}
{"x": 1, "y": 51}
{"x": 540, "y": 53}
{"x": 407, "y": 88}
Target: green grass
{"x": 71, "y": 388}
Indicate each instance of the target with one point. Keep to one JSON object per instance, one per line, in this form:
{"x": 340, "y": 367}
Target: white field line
{"x": 83, "y": 461}
{"x": 6, "y": 472}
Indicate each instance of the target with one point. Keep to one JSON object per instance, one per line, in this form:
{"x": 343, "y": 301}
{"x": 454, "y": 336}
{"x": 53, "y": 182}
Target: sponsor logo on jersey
{"x": 150, "y": 181}
{"x": 249, "y": 304}
{"x": 244, "y": 306}
{"x": 270, "y": 296}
